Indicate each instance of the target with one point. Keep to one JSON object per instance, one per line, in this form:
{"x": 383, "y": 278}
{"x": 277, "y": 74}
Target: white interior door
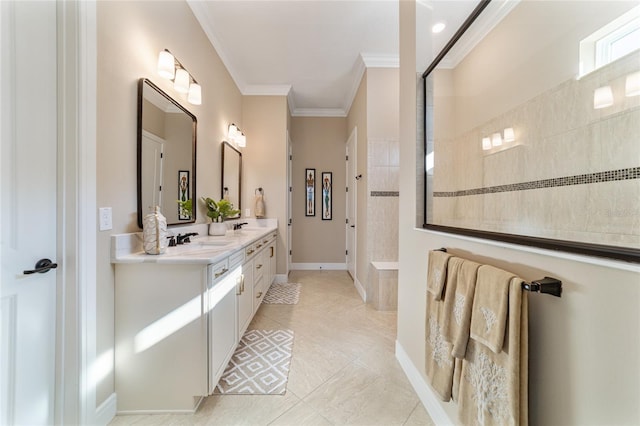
{"x": 152, "y": 155}
{"x": 28, "y": 153}
{"x": 351, "y": 203}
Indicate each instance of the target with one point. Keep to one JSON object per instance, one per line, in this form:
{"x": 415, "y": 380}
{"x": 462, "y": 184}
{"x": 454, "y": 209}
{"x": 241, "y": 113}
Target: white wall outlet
{"x": 247, "y": 212}
{"x": 106, "y": 222}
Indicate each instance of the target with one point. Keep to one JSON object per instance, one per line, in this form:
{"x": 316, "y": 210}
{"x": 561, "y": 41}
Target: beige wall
{"x": 382, "y": 103}
{"x": 357, "y": 117}
{"x": 319, "y": 143}
{"x": 130, "y": 35}
{"x": 264, "y": 161}
{"x": 583, "y": 347}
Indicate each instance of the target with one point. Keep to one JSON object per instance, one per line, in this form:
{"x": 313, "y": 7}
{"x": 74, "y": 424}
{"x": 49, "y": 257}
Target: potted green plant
{"x": 185, "y": 208}
{"x": 218, "y": 211}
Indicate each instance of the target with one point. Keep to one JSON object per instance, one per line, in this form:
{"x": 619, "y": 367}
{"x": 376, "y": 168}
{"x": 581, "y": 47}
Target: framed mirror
{"x": 231, "y": 175}
{"x": 166, "y": 154}
{"x": 531, "y": 130}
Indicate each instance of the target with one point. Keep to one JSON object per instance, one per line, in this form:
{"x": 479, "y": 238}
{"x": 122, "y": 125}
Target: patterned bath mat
{"x": 260, "y": 364}
{"x": 282, "y": 294}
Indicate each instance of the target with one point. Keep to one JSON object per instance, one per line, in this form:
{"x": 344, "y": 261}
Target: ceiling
{"x": 315, "y": 51}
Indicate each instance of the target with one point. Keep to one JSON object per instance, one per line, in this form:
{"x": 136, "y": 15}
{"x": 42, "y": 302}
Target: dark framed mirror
{"x": 530, "y": 127}
{"x": 166, "y": 155}
{"x": 231, "y": 175}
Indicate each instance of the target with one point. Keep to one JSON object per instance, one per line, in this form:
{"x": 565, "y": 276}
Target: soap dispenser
{"x": 154, "y": 233}
{"x": 258, "y": 207}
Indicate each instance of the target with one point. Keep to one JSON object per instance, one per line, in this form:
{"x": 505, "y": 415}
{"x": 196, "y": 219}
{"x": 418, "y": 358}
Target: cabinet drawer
{"x": 259, "y": 266}
{"x": 250, "y": 250}
{"x": 217, "y": 270}
{"x": 236, "y": 259}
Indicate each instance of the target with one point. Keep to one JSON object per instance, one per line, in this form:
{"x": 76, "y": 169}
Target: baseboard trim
{"x": 427, "y": 397}
{"x": 361, "y": 290}
{"x": 107, "y": 410}
{"x": 281, "y": 278}
{"x": 318, "y": 266}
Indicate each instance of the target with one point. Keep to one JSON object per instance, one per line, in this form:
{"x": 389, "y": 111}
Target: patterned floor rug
{"x": 260, "y": 364}
{"x": 282, "y": 294}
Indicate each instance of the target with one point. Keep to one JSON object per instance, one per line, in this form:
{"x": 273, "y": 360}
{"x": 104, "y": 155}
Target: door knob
{"x": 42, "y": 266}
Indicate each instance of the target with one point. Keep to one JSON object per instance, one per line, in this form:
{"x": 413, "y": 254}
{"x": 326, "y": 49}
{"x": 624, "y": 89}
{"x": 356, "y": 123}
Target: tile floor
{"x": 343, "y": 370}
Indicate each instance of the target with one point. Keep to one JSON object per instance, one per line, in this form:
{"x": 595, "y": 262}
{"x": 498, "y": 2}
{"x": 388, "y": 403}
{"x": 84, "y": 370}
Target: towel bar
{"x": 547, "y": 285}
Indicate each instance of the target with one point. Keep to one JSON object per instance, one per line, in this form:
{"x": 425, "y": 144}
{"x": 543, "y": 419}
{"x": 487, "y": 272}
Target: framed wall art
{"x": 327, "y": 202}
{"x": 310, "y": 197}
{"x": 183, "y": 192}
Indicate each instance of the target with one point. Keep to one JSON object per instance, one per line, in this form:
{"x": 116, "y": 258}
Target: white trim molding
{"x": 360, "y": 288}
{"x": 427, "y": 397}
{"x": 318, "y": 266}
{"x": 380, "y": 61}
{"x": 107, "y": 410}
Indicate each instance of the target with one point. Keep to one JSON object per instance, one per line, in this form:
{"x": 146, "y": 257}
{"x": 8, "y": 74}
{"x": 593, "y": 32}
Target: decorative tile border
{"x": 385, "y": 193}
{"x": 608, "y": 176}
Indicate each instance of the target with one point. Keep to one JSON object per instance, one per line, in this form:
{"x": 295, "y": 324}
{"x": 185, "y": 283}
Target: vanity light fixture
{"x": 602, "y": 97}
{"x": 486, "y": 143}
{"x": 632, "y": 85}
{"x": 236, "y": 136}
{"x": 170, "y": 68}
{"x": 496, "y": 139}
{"x": 509, "y": 135}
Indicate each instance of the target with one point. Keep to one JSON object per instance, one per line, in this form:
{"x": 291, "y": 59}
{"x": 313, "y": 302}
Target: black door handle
{"x": 42, "y": 266}
{"x": 353, "y": 226}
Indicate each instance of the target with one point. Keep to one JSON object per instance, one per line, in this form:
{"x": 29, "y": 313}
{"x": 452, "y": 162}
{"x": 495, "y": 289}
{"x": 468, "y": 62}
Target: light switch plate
{"x": 247, "y": 212}
{"x": 106, "y": 222}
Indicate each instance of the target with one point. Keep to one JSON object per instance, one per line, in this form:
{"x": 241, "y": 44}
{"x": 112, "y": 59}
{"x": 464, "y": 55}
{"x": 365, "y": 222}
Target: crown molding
{"x": 199, "y": 9}
{"x": 380, "y": 61}
{"x": 319, "y": 112}
{"x": 486, "y": 22}
{"x": 267, "y": 90}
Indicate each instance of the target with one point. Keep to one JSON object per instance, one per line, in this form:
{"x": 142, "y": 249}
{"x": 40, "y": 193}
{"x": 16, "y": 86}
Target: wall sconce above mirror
{"x": 166, "y": 155}
{"x": 235, "y": 135}
{"x": 231, "y": 175}
{"x": 169, "y": 67}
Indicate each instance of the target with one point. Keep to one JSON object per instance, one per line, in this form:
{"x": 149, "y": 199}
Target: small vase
{"x": 217, "y": 228}
{"x": 154, "y": 232}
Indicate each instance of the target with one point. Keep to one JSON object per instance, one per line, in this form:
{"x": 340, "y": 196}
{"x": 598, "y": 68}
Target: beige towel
{"x": 438, "y": 360}
{"x": 437, "y": 272}
{"x": 490, "y": 304}
{"x": 461, "y": 282}
{"x": 493, "y": 388}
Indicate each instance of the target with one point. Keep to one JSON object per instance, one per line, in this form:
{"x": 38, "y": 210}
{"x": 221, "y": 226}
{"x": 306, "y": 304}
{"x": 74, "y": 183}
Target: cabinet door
{"x": 272, "y": 262}
{"x": 222, "y": 326}
{"x": 244, "y": 297}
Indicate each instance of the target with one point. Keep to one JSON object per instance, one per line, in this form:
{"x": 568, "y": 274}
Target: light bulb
{"x": 195, "y": 94}
{"x": 181, "y": 83}
{"x": 166, "y": 65}
{"x": 232, "y": 134}
{"x": 486, "y": 143}
{"x": 241, "y": 140}
{"x": 509, "y": 136}
{"x": 602, "y": 97}
{"x": 496, "y": 139}
{"x": 632, "y": 85}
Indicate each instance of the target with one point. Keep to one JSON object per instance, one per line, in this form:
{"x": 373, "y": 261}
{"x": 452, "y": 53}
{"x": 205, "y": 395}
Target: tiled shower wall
{"x": 383, "y": 167}
{"x": 572, "y": 173}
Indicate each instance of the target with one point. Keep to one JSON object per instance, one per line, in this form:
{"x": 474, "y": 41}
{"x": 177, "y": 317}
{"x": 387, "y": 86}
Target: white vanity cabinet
{"x": 179, "y": 317}
{"x": 221, "y": 299}
{"x": 161, "y": 337}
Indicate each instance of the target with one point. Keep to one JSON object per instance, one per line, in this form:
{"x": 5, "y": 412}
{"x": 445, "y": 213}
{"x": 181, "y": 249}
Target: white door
{"x": 351, "y": 203}
{"x": 28, "y": 153}
{"x": 152, "y": 150}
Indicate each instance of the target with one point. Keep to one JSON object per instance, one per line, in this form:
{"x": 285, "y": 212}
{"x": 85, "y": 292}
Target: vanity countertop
{"x": 203, "y": 249}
